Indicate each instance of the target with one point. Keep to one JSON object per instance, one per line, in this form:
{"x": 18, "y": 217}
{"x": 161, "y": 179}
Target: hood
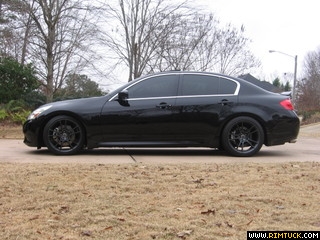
{"x": 75, "y": 103}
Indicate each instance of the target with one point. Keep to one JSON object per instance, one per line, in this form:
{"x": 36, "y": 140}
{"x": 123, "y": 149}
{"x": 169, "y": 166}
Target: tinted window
{"x": 227, "y": 86}
{"x": 158, "y": 86}
{"x": 200, "y": 85}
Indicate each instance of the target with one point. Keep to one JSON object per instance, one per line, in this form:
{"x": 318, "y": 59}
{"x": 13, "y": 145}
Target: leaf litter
{"x": 133, "y": 201}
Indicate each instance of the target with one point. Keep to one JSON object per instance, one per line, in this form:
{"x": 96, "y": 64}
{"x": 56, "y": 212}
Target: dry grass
{"x": 11, "y": 131}
{"x": 134, "y": 201}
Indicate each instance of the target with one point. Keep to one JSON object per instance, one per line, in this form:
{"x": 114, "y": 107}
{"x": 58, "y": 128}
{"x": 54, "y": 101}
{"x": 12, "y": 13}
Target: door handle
{"x": 164, "y": 105}
{"x": 224, "y": 102}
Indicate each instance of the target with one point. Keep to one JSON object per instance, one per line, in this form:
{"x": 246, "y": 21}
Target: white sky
{"x": 289, "y": 26}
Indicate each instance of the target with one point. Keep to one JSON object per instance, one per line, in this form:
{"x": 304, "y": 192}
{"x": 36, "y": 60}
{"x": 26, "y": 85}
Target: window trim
{"x": 152, "y": 98}
{"x": 180, "y": 75}
{"x": 204, "y": 96}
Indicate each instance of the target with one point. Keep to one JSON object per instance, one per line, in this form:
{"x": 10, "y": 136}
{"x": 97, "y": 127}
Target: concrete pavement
{"x": 307, "y": 148}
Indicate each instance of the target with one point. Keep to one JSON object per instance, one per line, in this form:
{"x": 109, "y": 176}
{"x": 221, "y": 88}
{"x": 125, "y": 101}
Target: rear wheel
{"x": 242, "y": 137}
{"x": 63, "y": 135}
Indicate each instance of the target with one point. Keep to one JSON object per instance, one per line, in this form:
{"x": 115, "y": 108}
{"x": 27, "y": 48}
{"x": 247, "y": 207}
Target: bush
{"x": 15, "y": 106}
{"x": 310, "y": 116}
{"x": 17, "y": 80}
{"x": 3, "y": 114}
{"x": 14, "y": 112}
{"x": 20, "y": 117}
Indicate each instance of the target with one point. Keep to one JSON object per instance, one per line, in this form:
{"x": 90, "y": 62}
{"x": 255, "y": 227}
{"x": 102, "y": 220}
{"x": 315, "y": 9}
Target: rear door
{"x": 203, "y": 101}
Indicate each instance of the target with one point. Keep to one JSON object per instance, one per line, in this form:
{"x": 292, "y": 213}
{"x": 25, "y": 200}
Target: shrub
{"x": 15, "y": 112}
{"x": 3, "y": 114}
{"x": 15, "y": 106}
{"x": 17, "y": 80}
{"x": 19, "y": 117}
{"x": 310, "y": 116}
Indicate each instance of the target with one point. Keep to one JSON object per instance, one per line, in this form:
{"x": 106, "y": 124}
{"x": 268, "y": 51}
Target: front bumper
{"x": 31, "y": 134}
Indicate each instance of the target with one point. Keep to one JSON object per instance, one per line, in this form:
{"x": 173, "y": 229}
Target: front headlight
{"x": 38, "y": 111}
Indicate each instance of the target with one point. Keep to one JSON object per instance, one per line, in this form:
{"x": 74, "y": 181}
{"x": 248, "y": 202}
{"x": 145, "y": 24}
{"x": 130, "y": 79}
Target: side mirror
{"x": 123, "y": 98}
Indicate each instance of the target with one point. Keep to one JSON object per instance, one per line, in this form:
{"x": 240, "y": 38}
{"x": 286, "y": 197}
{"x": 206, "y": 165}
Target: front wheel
{"x": 63, "y": 135}
{"x": 242, "y": 137}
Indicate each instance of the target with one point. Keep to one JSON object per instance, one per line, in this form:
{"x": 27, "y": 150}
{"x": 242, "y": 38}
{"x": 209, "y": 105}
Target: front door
{"x": 147, "y": 116}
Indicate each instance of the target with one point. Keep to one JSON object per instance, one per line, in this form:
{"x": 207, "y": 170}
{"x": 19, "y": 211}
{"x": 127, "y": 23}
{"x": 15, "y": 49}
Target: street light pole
{"x": 294, "y": 79}
{"x": 294, "y": 74}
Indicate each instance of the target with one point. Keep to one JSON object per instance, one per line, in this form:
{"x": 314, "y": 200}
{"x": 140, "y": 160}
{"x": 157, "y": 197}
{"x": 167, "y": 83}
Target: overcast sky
{"x": 289, "y": 26}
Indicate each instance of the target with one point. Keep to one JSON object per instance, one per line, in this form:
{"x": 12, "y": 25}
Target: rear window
{"x": 194, "y": 84}
{"x": 227, "y": 86}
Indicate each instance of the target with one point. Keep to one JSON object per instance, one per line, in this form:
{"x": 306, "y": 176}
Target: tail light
{"x": 287, "y": 104}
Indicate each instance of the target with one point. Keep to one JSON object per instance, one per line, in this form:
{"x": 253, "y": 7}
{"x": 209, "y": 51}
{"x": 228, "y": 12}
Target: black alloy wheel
{"x": 63, "y": 135}
{"x": 242, "y": 137}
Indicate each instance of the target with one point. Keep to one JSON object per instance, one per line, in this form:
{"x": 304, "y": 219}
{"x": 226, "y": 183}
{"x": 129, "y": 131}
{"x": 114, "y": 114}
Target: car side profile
{"x": 169, "y": 109}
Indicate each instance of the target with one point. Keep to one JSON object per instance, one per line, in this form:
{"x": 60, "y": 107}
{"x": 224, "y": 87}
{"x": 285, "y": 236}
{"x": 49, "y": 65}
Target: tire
{"x": 63, "y": 135}
{"x": 242, "y": 137}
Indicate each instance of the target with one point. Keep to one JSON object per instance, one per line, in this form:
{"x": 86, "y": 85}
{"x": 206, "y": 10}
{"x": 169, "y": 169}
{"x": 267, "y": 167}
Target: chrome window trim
{"x": 152, "y": 98}
{"x": 184, "y": 96}
{"x": 203, "y": 96}
{"x": 236, "y": 92}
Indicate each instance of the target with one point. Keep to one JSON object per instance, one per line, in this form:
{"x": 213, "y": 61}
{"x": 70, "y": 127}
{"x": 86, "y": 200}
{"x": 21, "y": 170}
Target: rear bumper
{"x": 283, "y": 131}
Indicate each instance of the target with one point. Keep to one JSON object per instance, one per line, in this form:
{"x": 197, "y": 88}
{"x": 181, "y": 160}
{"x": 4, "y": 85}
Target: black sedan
{"x": 170, "y": 109}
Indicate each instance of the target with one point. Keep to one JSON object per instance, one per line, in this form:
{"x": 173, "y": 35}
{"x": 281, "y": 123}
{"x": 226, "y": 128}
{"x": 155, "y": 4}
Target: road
{"x": 307, "y": 148}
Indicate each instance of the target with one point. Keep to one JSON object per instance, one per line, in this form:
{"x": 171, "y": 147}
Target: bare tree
{"x": 140, "y": 27}
{"x": 26, "y": 20}
{"x": 234, "y": 56}
{"x": 15, "y": 31}
{"x": 151, "y": 36}
{"x": 188, "y": 45}
{"x": 197, "y": 42}
{"x": 61, "y": 39}
{"x": 308, "y": 94}
{"x": 8, "y": 34}
{"x": 206, "y": 50}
